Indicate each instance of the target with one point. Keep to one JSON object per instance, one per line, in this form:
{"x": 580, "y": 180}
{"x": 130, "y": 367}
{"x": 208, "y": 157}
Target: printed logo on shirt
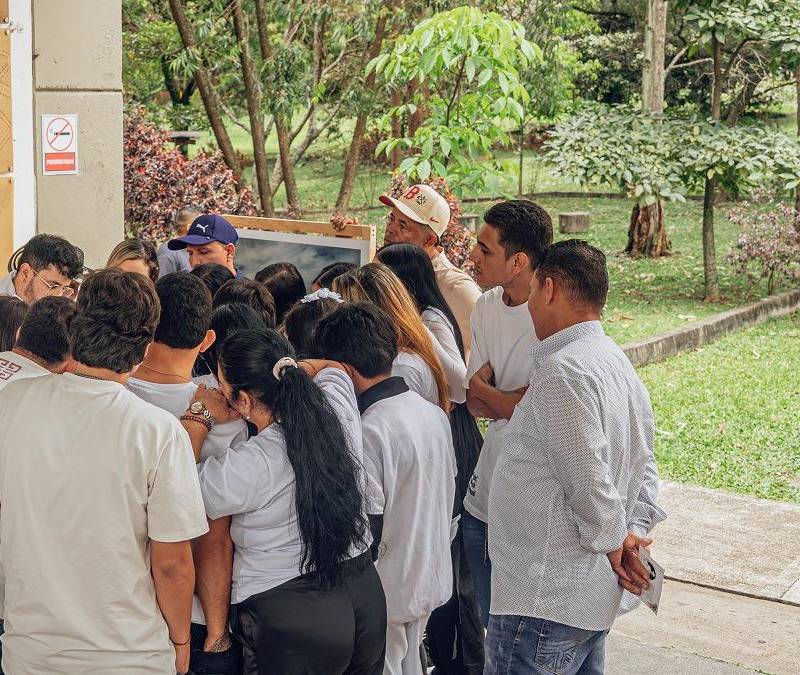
{"x": 473, "y": 485}
{"x": 8, "y": 369}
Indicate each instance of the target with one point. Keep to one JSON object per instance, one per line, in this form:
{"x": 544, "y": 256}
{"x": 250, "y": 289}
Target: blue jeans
{"x": 517, "y": 645}
{"x": 476, "y": 548}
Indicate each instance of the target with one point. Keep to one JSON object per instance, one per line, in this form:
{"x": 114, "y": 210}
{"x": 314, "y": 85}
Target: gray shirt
{"x": 7, "y": 285}
{"x": 172, "y": 261}
{"x": 577, "y": 473}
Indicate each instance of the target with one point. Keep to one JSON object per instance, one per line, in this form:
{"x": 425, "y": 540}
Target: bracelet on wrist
{"x": 198, "y": 419}
{"x": 180, "y": 644}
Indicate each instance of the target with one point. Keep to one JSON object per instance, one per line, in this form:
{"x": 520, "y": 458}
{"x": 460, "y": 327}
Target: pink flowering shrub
{"x": 457, "y": 241}
{"x": 768, "y": 246}
{"x": 159, "y": 180}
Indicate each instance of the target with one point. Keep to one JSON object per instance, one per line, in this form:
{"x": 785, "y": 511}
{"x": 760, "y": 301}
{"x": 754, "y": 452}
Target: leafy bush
{"x": 768, "y": 246}
{"x": 158, "y": 180}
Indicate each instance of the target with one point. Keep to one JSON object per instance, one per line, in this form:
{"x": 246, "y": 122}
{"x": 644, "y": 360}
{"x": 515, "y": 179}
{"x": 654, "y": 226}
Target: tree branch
{"x": 708, "y": 59}
{"x": 733, "y": 58}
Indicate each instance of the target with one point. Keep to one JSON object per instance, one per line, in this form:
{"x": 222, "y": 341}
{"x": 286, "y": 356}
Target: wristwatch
{"x": 199, "y": 408}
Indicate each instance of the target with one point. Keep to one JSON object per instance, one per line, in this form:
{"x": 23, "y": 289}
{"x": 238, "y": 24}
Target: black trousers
{"x": 298, "y": 628}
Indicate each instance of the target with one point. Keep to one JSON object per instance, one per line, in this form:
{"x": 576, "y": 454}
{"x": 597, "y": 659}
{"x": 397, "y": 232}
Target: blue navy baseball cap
{"x": 205, "y": 229}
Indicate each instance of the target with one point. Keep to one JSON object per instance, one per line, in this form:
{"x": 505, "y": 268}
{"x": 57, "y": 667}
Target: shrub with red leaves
{"x": 768, "y": 246}
{"x": 457, "y": 241}
{"x": 159, "y": 180}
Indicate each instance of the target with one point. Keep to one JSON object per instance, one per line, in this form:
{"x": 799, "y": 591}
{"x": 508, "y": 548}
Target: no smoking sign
{"x": 59, "y": 144}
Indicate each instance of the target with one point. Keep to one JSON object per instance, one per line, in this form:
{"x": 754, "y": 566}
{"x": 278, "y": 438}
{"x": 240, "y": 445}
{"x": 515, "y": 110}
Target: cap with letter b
{"x": 205, "y": 229}
{"x": 422, "y": 204}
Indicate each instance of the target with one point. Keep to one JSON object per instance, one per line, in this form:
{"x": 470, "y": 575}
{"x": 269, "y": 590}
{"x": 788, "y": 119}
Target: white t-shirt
{"x": 175, "y": 399}
{"x": 89, "y": 474}
{"x": 254, "y": 483}
{"x": 15, "y": 367}
{"x": 417, "y": 374}
{"x": 447, "y": 350}
{"x": 411, "y": 468}
{"x": 502, "y": 336}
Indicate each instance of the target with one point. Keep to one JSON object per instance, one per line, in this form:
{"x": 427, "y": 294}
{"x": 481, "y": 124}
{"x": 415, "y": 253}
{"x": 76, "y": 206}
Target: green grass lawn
{"x": 727, "y": 414}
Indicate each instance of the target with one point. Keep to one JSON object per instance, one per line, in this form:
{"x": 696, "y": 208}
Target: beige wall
{"x": 77, "y": 67}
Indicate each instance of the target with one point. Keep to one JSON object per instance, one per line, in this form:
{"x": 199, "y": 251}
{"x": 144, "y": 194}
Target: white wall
{"x": 22, "y": 120}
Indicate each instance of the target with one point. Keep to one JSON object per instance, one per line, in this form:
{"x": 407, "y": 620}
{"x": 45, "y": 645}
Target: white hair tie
{"x": 281, "y": 365}
{"x": 322, "y": 294}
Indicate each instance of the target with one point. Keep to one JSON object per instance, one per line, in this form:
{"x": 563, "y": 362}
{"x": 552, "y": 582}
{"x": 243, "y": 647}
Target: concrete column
{"x": 77, "y": 60}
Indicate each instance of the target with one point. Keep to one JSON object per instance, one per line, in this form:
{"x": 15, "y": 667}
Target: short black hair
{"x": 213, "y": 275}
{"x": 117, "y": 317}
{"x": 185, "y": 310}
{"x": 578, "y": 267}
{"x": 225, "y": 321}
{"x": 248, "y": 292}
{"x": 12, "y": 315}
{"x": 328, "y": 273}
{"x": 522, "y": 226}
{"x": 286, "y": 285}
{"x": 44, "y": 250}
{"x": 45, "y": 331}
{"x": 359, "y": 334}
{"x": 301, "y": 322}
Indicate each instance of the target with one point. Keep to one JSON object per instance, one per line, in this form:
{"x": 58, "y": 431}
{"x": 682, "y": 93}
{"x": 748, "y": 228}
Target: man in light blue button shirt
{"x": 574, "y": 492}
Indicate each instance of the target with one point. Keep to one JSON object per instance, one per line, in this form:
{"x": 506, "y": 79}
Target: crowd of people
{"x": 205, "y": 473}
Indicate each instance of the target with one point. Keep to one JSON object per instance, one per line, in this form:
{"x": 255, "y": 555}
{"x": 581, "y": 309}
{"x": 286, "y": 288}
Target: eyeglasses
{"x": 56, "y": 289}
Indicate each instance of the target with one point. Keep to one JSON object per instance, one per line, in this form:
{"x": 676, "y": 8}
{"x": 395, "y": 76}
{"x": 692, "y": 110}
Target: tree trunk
{"x": 207, "y": 90}
{"x": 797, "y": 189}
{"x": 709, "y": 194}
{"x": 655, "y": 37}
{"x": 646, "y": 234}
{"x": 253, "y": 95}
{"x": 281, "y": 122}
{"x": 709, "y": 249}
{"x": 354, "y": 153}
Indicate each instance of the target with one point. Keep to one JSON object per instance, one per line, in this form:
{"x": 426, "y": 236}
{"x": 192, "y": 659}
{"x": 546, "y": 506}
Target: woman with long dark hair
{"x": 456, "y": 622}
{"x": 306, "y": 597}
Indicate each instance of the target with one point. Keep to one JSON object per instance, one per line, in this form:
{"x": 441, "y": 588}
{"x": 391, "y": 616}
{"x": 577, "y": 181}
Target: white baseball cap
{"x": 423, "y": 205}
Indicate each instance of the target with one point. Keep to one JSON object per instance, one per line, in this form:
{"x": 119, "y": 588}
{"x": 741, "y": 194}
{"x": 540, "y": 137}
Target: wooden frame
{"x": 304, "y": 233}
{"x": 6, "y": 136}
{"x": 6, "y": 221}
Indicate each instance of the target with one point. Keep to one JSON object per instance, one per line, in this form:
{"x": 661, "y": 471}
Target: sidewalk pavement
{"x": 730, "y": 545}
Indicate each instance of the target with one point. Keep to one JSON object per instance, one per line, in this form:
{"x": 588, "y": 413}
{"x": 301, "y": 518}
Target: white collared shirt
{"x": 7, "y": 287}
{"x": 576, "y": 474}
{"x": 15, "y": 367}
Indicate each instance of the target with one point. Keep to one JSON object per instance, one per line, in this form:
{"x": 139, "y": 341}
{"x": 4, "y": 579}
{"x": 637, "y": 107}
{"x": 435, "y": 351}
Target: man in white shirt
{"x": 42, "y": 346}
{"x": 420, "y": 216}
{"x": 574, "y": 491}
{"x": 165, "y": 380}
{"x": 510, "y": 243}
{"x": 46, "y": 266}
{"x": 411, "y": 471}
{"x": 99, "y": 499}
{"x": 177, "y": 261}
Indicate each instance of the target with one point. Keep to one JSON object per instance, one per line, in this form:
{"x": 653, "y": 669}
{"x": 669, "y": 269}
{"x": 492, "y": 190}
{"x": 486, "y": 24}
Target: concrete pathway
{"x": 730, "y": 545}
{"x": 730, "y": 542}
{"x": 700, "y": 630}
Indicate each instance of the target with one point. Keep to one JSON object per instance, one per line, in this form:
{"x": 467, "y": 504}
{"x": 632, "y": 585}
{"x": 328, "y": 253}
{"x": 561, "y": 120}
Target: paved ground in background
{"x": 730, "y": 542}
{"x": 700, "y": 630}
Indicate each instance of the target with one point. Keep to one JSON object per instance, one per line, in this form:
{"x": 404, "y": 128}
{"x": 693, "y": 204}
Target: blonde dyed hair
{"x": 376, "y": 283}
{"x": 135, "y": 249}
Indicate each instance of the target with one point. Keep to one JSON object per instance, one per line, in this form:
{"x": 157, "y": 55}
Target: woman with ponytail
{"x": 418, "y": 362}
{"x": 305, "y": 595}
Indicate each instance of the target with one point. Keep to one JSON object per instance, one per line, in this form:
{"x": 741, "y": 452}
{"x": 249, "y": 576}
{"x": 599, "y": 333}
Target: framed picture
{"x": 309, "y": 246}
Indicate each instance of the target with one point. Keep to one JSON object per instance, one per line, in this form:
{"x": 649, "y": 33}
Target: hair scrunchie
{"x": 281, "y": 365}
{"x": 322, "y": 294}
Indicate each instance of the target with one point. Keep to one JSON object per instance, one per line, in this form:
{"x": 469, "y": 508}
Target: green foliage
{"x": 667, "y": 158}
{"x": 726, "y": 415}
{"x": 467, "y": 65}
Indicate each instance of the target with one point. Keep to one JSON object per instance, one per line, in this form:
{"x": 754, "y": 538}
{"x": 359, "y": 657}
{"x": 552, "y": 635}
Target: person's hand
{"x": 314, "y": 366}
{"x": 182, "y": 654}
{"x": 217, "y": 404}
{"x": 625, "y": 562}
{"x": 486, "y": 374}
